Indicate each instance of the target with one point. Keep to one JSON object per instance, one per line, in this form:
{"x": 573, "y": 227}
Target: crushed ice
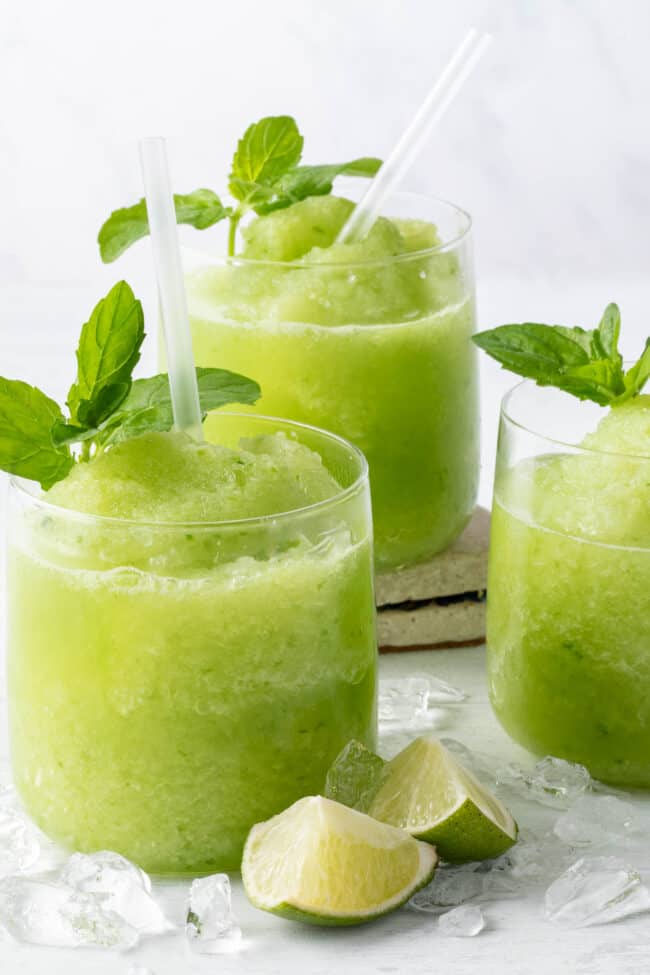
{"x": 465, "y": 921}
{"x": 409, "y": 702}
{"x": 211, "y": 925}
{"x": 596, "y": 890}
{"x": 552, "y": 781}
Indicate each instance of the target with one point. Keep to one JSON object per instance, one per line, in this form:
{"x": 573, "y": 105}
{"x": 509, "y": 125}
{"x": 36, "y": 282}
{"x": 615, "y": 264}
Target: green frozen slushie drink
{"x": 370, "y": 340}
{"x": 192, "y": 663}
{"x": 569, "y": 571}
{"x": 568, "y": 630}
{"x": 191, "y": 634}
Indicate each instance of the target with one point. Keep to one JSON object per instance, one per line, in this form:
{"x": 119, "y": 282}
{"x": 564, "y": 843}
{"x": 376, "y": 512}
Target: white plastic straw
{"x": 171, "y": 289}
{"x": 434, "y": 106}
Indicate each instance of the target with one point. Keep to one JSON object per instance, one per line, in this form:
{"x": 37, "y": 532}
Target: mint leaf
{"x": 63, "y": 433}
{"x": 580, "y": 336}
{"x": 367, "y": 166}
{"x": 539, "y": 352}
{"x": 608, "y": 332}
{"x": 220, "y": 387}
{"x": 217, "y": 387}
{"x": 598, "y": 380}
{"x": 304, "y": 181}
{"x": 200, "y": 209}
{"x": 266, "y": 151}
{"x": 123, "y": 426}
{"x": 122, "y": 229}
{"x": 148, "y": 407}
{"x": 109, "y": 348}
{"x": 636, "y": 377}
{"x": 27, "y": 417}
{"x": 586, "y": 364}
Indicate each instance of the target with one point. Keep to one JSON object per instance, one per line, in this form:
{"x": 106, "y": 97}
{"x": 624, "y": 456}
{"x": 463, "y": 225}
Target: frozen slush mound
{"x": 321, "y": 286}
{"x": 601, "y": 494}
{"x": 624, "y": 430}
{"x": 167, "y": 477}
{"x": 308, "y": 230}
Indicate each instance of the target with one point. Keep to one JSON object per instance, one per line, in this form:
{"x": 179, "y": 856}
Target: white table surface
{"x": 37, "y": 337}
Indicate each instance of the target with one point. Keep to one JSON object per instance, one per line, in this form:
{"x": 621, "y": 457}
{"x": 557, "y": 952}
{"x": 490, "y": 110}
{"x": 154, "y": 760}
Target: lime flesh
{"x": 428, "y": 794}
{"x": 323, "y": 863}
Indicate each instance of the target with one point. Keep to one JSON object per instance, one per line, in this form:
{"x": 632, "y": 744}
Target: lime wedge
{"x": 428, "y": 794}
{"x": 323, "y": 863}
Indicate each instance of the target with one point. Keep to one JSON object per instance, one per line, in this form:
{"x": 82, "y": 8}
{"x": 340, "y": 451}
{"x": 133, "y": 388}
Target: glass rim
{"x": 297, "y": 264}
{"x": 25, "y": 488}
{"x": 527, "y": 384}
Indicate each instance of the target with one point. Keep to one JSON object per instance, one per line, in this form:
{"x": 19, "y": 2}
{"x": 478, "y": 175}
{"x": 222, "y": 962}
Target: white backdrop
{"x": 549, "y": 147}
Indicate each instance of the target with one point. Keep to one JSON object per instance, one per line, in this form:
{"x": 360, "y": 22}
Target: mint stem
{"x": 232, "y": 233}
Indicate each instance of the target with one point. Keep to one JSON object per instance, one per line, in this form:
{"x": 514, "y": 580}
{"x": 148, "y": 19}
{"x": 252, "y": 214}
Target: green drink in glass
{"x": 191, "y": 635}
{"x": 369, "y": 339}
{"x": 569, "y": 571}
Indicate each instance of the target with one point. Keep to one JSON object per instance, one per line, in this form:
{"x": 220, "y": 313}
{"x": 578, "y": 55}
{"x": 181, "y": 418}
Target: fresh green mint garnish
{"x": 27, "y": 418}
{"x": 199, "y": 209}
{"x": 265, "y": 175}
{"x": 109, "y": 348}
{"x": 304, "y": 181}
{"x": 105, "y": 405}
{"x": 585, "y": 363}
{"x": 267, "y": 150}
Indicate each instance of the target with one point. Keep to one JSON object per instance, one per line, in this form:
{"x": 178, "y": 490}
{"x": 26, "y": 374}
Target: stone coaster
{"x": 440, "y": 603}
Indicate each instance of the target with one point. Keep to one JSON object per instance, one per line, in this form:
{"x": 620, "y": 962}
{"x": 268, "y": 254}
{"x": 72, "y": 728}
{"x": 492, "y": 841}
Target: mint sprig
{"x": 148, "y": 406}
{"x": 105, "y": 404}
{"x": 585, "y": 363}
{"x": 265, "y": 175}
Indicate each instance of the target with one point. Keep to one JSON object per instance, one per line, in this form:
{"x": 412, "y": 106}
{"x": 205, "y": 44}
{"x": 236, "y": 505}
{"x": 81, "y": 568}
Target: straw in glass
{"x": 434, "y": 106}
{"x": 171, "y": 289}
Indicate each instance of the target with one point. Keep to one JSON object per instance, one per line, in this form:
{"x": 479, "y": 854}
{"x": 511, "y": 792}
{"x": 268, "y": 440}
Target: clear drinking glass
{"x": 171, "y": 684}
{"x": 569, "y": 577}
{"x": 378, "y": 351}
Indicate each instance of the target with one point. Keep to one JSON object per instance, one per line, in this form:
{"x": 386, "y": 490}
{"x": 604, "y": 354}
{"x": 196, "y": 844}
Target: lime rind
{"x": 451, "y": 836}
